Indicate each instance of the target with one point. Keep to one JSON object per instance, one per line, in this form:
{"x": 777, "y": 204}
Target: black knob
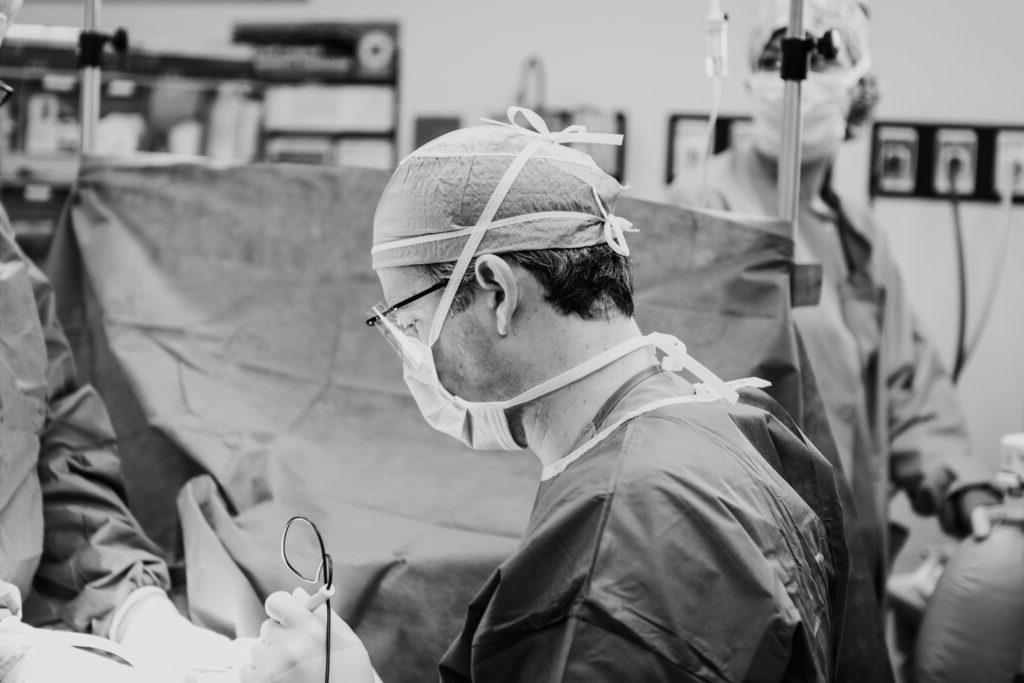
{"x": 119, "y": 41}
{"x": 829, "y": 44}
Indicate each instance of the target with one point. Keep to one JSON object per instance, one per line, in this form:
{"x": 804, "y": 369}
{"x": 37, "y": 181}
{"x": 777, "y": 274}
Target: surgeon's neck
{"x": 553, "y": 423}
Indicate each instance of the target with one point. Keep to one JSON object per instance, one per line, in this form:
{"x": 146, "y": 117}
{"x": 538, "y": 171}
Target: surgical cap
{"x": 560, "y": 199}
{"x": 849, "y": 17}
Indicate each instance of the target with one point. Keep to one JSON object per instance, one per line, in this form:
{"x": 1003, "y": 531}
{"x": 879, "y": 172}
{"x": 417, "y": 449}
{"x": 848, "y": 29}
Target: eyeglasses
{"x": 324, "y": 572}
{"x": 5, "y": 93}
{"x": 381, "y": 310}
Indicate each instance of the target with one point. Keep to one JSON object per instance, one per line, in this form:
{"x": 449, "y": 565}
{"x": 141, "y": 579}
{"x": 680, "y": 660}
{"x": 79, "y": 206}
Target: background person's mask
{"x": 825, "y": 104}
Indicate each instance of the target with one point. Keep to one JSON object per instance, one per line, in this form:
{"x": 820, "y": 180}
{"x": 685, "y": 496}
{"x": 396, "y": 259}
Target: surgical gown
{"x": 65, "y": 529}
{"x": 674, "y": 550}
{"x": 892, "y": 407}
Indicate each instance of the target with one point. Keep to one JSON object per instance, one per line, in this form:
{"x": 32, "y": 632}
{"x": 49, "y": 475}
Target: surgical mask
{"x": 824, "y": 105}
{"x": 484, "y": 425}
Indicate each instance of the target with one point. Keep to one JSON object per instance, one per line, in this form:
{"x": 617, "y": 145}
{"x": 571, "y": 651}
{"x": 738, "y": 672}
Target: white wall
{"x": 939, "y": 60}
{"x": 954, "y": 61}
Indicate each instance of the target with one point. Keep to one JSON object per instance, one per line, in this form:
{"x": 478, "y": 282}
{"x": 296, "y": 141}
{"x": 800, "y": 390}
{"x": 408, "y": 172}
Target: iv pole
{"x": 796, "y": 51}
{"x": 792, "y": 127}
{"x": 90, "y": 93}
{"x": 91, "y": 44}
{"x": 797, "y": 48}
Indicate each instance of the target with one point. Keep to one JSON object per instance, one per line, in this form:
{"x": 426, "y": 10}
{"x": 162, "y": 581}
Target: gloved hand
{"x": 30, "y": 655}
{"x": 910, "y": 591}
{"x": 984, "y": 516}
{"x": 291, "y": 645}
{"x": 10, "y": 600}
{"x": 164, "y": 642}
{"x": 978, "y": 505}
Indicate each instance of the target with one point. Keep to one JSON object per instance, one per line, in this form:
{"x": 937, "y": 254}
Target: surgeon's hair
{"x": 591, "y": 282}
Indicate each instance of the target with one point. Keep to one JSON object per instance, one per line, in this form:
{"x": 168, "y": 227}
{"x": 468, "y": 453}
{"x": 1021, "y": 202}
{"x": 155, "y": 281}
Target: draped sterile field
{"x": 221, "y": 313}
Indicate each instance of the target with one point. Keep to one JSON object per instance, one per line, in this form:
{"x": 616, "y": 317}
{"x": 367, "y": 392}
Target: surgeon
{"x": 664, "y": 544}
{"x": 70, "y": 550}
{"x": 892, "y": 407}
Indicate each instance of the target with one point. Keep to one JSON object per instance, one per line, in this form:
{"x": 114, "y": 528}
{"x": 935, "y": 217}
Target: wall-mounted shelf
{"x": 244, "y": 103}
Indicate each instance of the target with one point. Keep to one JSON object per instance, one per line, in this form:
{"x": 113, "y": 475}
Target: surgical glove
{"x": 164, "y": 642}
{"x": 975, "y": 506}
{"x": 984, "y": 516}
{"x": 291, "y": 645}
{"x": 10, "y": 600}
{"x": 910, "y": 591}
{"x": 30, "y": 655}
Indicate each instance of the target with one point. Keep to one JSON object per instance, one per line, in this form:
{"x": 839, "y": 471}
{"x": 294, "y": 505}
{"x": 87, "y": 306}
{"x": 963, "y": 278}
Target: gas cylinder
{"x": 973, "y": 627}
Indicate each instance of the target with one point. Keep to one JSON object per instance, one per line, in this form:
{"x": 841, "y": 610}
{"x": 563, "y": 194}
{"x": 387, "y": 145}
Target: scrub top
{"x": 892, "y": 407}
{"x": 674, "y": 550}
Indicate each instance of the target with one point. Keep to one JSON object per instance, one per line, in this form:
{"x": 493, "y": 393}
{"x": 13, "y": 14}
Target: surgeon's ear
{"x": 500, "y": 289}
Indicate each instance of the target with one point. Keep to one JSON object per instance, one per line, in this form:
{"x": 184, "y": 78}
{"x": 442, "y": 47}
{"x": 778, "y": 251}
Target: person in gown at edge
{"x": 891, "y": 404}
{"x": 664, "y": 544}
{"x": 71, "y": 553}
